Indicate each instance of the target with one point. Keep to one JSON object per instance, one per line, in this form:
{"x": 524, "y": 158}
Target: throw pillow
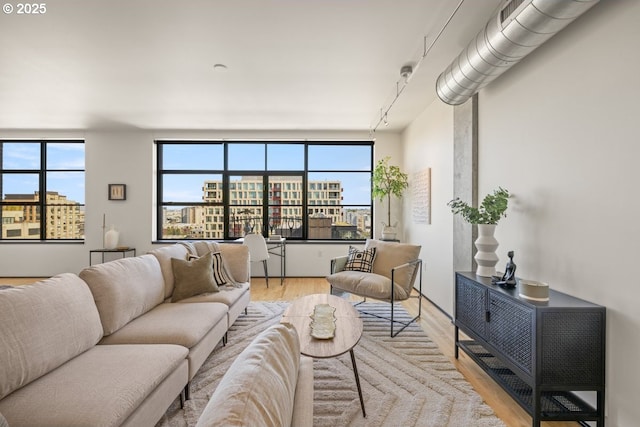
{"x": 220, "y": 275}
{"x": 193, "y": 277}
{"x": 360, "y": 260}
{"x": 219, "y": 272}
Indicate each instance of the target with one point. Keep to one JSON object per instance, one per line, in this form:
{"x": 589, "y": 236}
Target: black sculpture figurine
{"x": 508, "y": 279}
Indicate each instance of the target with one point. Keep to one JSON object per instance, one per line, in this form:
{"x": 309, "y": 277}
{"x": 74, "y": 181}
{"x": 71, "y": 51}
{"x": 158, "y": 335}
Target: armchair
{"x": 384, "y": 271}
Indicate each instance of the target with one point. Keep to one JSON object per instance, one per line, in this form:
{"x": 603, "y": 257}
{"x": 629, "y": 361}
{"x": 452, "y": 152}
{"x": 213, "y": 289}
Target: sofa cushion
{"x": 366, "y": 284}
{"x": 43, "y": 325}
{"x": 169, "y": 323}
{"x": 193, "y": 277}
{"x": 100, "y": 387}
{"x": 3, "y": 421}
{"x": 360, "y": 260}
{"x": 303, "y": 402}
{"x": 259, "y": 387}
{"x": 124, "y": 289}
{"x": 228, "y": 295}
{"x": 236, "y": 259}
{"x": 164, "y": 255}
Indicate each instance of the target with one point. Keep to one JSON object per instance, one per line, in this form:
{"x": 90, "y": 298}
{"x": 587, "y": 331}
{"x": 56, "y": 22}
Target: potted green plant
{"x": 388, "y": 180}
{"x": 486, "y": 217}
{"x": 490, "y": 211}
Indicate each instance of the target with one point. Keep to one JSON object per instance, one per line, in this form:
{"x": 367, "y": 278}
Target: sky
{"x": 62, "y": 161}
{"x": 326, "y": 162}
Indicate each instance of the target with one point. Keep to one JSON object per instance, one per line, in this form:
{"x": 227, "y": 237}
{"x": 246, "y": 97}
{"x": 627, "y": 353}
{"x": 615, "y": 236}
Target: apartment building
{"x": 285, "y": 210}
{"x": 65, "y": 218}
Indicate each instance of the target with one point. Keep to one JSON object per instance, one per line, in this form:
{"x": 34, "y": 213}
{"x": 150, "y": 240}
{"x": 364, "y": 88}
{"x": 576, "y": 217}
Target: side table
{"x": 123, "y": 251}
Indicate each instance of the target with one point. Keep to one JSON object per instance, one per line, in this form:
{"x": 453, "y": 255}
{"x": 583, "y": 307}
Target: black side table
{"x": 124, "y": 251}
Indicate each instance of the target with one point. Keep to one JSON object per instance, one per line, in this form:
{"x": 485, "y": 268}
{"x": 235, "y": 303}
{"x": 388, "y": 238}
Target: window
{"x": 42, "y": 188}
{"x": 300, "y": 190}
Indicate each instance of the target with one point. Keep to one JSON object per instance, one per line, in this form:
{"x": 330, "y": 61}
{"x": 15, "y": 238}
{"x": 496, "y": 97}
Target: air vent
{"x": 509, "y": 9}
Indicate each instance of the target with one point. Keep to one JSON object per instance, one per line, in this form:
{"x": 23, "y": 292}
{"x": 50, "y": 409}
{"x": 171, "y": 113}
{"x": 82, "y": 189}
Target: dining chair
{"x": 258, "y": 251}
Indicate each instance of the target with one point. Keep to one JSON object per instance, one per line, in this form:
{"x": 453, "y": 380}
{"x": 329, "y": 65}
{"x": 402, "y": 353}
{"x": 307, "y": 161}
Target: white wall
{"x": 127, "y": 157}
{"x": 388, "y": 145}
{"x": 559, "y": 131}
{"x": 428, "y": 144}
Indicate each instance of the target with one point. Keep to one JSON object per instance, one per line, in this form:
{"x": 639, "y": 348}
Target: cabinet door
{"x": 511, "y": 330}
{"x": 572, "y": 349}
{"x": 471, "y": 305}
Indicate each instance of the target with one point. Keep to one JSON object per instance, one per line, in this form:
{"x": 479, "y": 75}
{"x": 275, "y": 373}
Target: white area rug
{"x": 406, "y": 381}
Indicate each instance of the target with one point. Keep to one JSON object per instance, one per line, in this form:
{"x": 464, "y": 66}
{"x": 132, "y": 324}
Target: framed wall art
{"x": 421, "y": 196}
{"x": 117, "y": 192}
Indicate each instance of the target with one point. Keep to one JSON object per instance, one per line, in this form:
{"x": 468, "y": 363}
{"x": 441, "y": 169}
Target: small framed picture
{"x": 117, "y": 192}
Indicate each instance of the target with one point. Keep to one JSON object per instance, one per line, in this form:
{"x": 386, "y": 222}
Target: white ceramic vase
{"x": 486, "y": 244}
{"x": 111, "y": 238}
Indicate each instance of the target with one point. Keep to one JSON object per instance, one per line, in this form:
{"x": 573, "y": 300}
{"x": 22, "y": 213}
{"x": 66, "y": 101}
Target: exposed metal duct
{"x": 519, "y": 27}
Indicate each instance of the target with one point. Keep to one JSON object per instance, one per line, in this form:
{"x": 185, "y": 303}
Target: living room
{"x": 556, "y": 130}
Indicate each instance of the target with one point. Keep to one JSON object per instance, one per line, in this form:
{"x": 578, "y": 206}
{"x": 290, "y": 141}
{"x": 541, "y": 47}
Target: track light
{"x": 406, "y": 71}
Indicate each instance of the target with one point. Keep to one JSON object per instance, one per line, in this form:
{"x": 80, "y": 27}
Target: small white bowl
{"x": 533, "y": 290}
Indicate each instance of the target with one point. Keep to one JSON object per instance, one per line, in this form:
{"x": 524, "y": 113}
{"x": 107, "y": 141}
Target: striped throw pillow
{"x": 219, "y": 272}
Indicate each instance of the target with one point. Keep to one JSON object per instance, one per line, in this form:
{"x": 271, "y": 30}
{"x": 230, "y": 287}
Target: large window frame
{"x": 263, "y": 210}
{"x": 30, "y": 217}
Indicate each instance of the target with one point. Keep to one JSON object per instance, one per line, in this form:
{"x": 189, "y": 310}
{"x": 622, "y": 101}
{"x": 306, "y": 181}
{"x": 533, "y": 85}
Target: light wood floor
{"x": 437, "y": 325}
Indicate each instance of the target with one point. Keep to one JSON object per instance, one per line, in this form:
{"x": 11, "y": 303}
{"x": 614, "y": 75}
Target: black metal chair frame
{"x": 418, "y": 264}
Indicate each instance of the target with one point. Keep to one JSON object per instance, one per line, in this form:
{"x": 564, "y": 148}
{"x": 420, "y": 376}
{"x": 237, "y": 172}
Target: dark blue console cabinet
{"x": 546, "y": 355}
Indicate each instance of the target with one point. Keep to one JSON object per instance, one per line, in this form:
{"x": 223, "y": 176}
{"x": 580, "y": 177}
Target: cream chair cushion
{"x": 366, "y": 284}
{"x": 377, "y": 284}
{"x": 394, "y": 254}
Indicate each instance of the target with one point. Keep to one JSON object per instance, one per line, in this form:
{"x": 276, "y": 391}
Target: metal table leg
{"x": 355, "y": 372}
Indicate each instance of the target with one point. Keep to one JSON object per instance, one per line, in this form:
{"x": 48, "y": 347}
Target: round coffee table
{"x": 347, "y": 334}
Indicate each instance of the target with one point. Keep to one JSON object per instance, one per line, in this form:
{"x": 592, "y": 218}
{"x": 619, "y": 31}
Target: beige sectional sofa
{"x": 107, "y": 347}
{"x": 53, "y": 373}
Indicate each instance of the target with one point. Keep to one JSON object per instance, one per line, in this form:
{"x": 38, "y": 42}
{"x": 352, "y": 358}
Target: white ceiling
{"x": 292, "y": 64}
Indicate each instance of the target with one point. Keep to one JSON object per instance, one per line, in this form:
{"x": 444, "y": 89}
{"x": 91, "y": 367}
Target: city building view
{"x": 21, "y": 220}
{"x": 326, "y": 218}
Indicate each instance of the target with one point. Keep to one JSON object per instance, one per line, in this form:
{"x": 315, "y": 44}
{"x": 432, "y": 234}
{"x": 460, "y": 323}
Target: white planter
{"x": 486, "y": 244}
{"x": 388, "y": 233}
{"x": 111, "y": 238}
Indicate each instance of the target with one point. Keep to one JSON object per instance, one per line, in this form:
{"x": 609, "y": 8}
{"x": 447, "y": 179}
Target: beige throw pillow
{"x": 220, "y": 275}
{"x": 193, "y": 277}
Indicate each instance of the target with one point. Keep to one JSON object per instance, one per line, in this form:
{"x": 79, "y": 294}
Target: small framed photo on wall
{"x": 117, "y": 192}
